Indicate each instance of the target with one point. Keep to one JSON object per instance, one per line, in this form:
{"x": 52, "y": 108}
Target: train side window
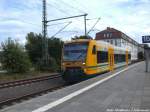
{"x": 98, "y": 56}
{"x": 124, "y": 57}
{"x": 102, "y": 56}
{"x": 116, "y": 58}
{"x": 94, "y": 49}
{"x": 120, "y": 58}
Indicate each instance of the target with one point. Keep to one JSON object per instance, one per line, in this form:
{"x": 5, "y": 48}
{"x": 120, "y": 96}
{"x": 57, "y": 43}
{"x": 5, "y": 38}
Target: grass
{"x": 5, "y": 77}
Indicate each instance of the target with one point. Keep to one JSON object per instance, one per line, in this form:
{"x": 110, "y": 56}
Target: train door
{"x": 111, "y": 59}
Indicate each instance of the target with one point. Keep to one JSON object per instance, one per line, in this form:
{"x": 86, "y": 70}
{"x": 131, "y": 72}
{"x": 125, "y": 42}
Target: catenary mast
{"x": 44, "y": 33}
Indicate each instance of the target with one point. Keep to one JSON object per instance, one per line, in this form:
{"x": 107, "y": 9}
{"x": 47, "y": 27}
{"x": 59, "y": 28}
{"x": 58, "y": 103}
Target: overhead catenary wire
{"x": 84, "y": 15}
{"x": 58, "y": 8}
{"x": 23, "y": 21}
{"x": 61, "y": 29}
{"x": 19, "y": 9}
{"x": 80, "y": 4}
{"x": 70, "y": 31}
{"x": 96, "y": 29}
{"x": 90, "y": 19}
{"x": 93, "y": 26}
{"x": 73, "y": 7}
{"x": 65, "y": 12}
{"x": 62, "y": 11}
{"x": 21, "y": 25}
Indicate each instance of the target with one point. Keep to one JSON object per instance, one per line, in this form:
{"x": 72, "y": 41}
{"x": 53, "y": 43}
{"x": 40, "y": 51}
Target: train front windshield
{"x": 75, "y": 51}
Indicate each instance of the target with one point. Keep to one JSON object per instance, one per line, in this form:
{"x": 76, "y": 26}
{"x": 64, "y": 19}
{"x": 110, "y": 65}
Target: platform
{"x": 126, "y": 88}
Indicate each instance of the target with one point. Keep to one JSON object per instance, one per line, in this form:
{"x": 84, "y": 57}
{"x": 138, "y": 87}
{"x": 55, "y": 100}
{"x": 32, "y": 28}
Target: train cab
{"x": 74, "y": 59}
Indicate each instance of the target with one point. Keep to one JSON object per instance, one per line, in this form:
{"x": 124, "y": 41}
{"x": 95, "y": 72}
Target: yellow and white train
{"x": 84, "y": 58}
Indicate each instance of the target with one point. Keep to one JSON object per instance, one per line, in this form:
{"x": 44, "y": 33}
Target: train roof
{"x": 77, "y": 40}
{"x": 106, "y": 44}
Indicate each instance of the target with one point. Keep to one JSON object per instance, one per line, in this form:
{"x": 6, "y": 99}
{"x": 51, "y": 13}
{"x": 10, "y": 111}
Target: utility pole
{"x": 147, "y": 58}
{"x": 85, "y": 23}
{"x": 44, "y": 33}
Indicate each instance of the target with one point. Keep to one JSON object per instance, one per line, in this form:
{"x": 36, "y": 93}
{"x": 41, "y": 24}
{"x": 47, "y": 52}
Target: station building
{"x": 118, "y": 38}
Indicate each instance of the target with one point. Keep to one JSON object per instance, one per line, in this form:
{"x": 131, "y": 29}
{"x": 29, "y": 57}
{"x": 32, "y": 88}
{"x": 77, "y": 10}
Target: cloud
{"x": 18, "y": 17}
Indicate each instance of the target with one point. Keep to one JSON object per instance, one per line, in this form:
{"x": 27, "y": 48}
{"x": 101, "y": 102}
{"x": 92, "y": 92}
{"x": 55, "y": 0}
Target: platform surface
{"x": 128, "y": 90}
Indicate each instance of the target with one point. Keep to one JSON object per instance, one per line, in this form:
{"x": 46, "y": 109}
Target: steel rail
{"x": 27, "y": 81}
{"x": 8, "y": 101}
{"x": 25, "y": 96}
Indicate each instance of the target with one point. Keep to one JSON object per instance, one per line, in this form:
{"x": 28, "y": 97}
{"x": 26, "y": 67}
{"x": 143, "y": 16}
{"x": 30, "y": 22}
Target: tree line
{"x": 17, "y": 58}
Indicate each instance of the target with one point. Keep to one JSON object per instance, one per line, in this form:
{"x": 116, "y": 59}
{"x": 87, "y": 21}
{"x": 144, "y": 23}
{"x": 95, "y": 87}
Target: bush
{"x": 14, "y": 58}
{"x": 50, "y": 66}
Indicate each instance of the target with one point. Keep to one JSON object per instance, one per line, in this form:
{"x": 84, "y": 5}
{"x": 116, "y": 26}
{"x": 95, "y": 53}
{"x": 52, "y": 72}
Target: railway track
{"x": 23, "y": 89}
{"x": 27, "y": 81}
{"x": 55, "y": 82}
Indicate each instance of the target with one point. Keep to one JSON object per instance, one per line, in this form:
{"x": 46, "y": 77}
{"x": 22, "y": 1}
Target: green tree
{"x": 82, "y": 37}
{"x": 55, "y": 46}
{"x": 34, "y": 49}
{"x": 14, "y": 57}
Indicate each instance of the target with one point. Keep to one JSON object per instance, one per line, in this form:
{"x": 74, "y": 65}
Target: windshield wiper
{"x": 79, "y": 56}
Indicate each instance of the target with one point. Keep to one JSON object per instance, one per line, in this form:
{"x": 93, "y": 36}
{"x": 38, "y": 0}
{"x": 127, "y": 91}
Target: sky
{"x": 19, "y": 17}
